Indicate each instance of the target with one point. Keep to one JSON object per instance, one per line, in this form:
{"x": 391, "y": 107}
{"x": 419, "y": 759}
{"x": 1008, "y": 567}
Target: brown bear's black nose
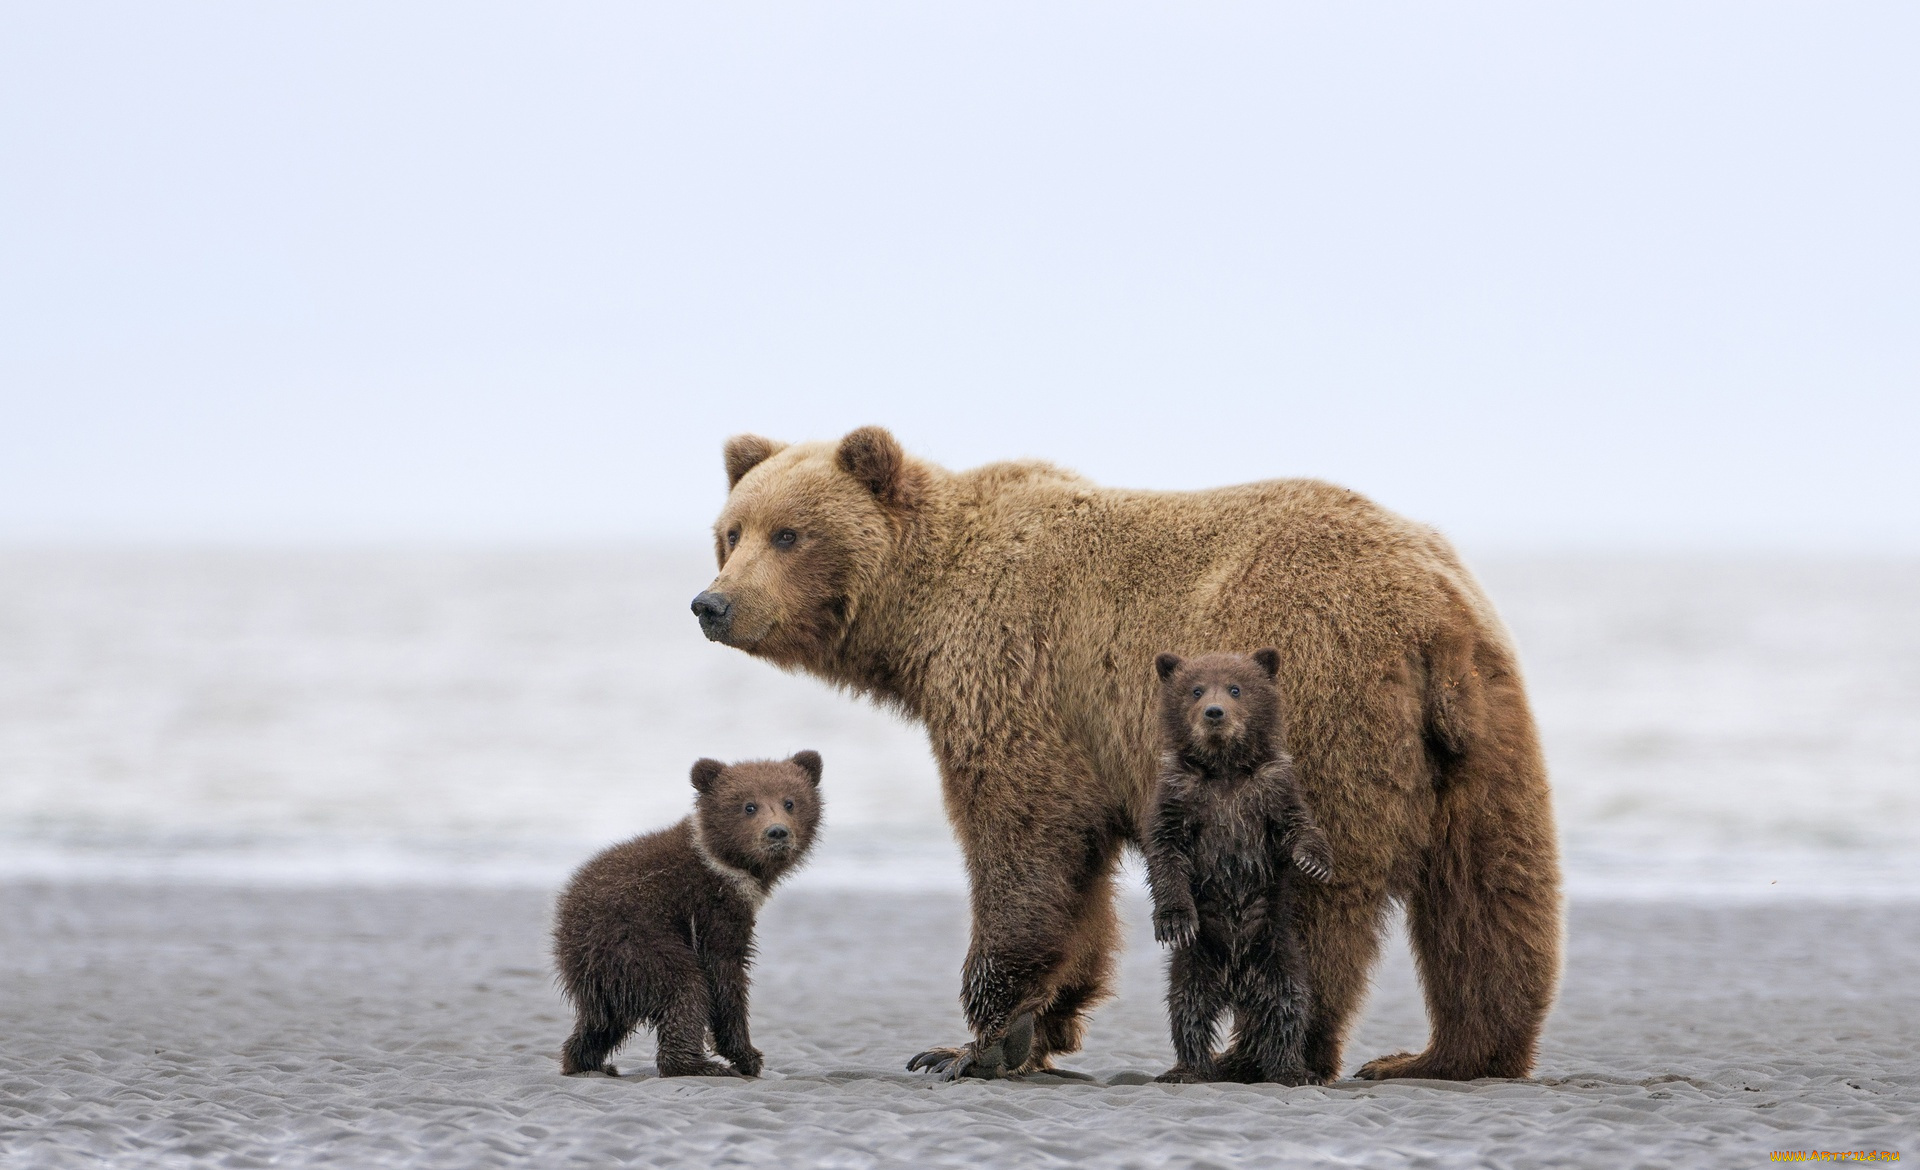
{"x": 1214, "y": 714}
{"x": 715, "y": 612}
{"x": 778, "y": 833}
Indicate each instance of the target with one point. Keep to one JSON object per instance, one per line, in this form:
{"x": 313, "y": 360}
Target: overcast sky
{"x": 1546, "y": 275}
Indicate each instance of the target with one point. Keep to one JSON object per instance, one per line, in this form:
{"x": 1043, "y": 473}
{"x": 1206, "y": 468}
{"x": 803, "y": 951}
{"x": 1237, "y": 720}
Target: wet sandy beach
{"x": 192, "y": 1024}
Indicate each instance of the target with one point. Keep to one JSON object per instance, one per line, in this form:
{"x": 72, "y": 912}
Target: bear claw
{"x": 1418, "y": 1065}
{"x": 985, "y": 1062}
{"x": 934, "y": 1060}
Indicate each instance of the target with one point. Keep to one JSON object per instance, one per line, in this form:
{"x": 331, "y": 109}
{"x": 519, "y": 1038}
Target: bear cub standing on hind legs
{"x": 1228, "y": 834}
{"x": 659, "y": 930}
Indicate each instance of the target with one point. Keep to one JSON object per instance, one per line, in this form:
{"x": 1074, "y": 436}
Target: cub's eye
{"x": 785, "y": 538}
{"x": 789, "y": 806}
{"x": 733, "y": 537}
{"x": 1234, "y": 691}
{"x": 1198, "y": 691}
{"x": 752, "y": 808}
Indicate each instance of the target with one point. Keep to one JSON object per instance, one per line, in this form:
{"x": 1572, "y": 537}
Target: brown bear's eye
{"x": 785, "y": 538}
{"x": 789, "y": 806}
{"x": 1234, "y": 691}
{"x": 1198, "y": 691}
{"x": 752, "y": 808}
{"x": 733, "y": 537}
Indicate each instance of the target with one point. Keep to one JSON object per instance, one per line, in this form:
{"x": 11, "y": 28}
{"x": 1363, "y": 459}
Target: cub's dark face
{"x": 805, "y": 530}
{"x": 1219, "y": 706}
{"x": 760, "y": 815}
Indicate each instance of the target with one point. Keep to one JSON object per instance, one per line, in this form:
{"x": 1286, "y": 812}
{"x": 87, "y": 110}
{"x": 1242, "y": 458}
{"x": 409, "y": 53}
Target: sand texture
{"x": 184, "y": 1024}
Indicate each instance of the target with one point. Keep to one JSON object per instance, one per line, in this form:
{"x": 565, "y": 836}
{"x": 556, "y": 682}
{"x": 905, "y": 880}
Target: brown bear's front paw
{"x": 935, "y": 1060}
{"x": 950, "y": 1064}
{"x": 705, "y": 1068}
{"x": 747, "y": 1062}
{"x": 986, "y": 1063}
{"x": 1011, "y": 1053}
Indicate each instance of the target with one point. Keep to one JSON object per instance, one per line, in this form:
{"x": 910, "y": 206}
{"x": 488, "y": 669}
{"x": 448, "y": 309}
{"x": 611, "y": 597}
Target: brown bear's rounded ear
{"x": 873, "y": 456}
{"x": 1269, "y": 660}
{"x": 1165, "y": 665}
{"x": 705, "y": 772}
{"x": 746, "y": 452}
{"x": 809, "y": 762}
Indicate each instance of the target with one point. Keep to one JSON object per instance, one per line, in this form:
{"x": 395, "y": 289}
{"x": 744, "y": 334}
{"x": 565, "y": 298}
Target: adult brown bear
{"x": 1016, "y": 610}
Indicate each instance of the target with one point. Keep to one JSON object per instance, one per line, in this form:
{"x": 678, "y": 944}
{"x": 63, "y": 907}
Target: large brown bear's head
{"x": 806, "y": 532}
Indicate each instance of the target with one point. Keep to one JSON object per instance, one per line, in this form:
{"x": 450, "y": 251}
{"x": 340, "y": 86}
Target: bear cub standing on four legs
{"x": 1229, "y": 832}
{"x": 659, "y": 930}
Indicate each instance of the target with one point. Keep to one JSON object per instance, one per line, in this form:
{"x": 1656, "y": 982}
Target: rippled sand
{"x": 161, "y": 1026}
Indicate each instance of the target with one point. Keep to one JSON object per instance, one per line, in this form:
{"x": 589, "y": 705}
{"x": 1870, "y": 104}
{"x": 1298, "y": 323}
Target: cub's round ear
{"x": 872, "y": 456}
{"x": 1165, "y": 665}
{"x": 809, "y": 762}
{"x": 705, "y": 772}
{"x": 1269, "y": 660}
{"x": 746, "y": 452}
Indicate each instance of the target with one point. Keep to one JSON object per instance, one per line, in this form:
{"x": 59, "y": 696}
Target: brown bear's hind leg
{"x": 1487, "y": 999}
{"x": 1485, "y": 922}
{"x": 1339, "y": 940}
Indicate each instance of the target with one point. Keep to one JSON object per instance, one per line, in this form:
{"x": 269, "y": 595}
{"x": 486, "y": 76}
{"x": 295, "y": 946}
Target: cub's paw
{"x": 748, "y": 1062}
{"x": 705, "y": 1068}
{"x": 1313, "y": 856}
{"x": 1175, "y": 926}
{"x": 1180, "y": 1074}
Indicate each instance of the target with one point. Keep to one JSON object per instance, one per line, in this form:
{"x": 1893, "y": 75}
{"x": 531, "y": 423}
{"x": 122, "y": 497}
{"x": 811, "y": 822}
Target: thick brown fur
{"x": 1228, "y": 840}
{"x": 1009, "y": 608}
{"x": 659, "y": 930}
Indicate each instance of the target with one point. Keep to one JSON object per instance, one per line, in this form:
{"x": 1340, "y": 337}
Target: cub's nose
{"x": 715, "y": 611}
{"x": 778, "y": 834}
{"x": 1214, "y": 714}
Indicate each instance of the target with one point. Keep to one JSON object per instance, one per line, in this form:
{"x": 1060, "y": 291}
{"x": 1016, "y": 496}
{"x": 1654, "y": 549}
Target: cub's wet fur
{"x": 1229, "y": 835}
{"x": 659, "y": 930}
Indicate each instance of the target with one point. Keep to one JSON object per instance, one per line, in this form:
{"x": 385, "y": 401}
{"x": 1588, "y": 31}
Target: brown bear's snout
{"x": 779, "y": 835}
{"x": 1214, "y": 714}
{"x": 715, "y": 611}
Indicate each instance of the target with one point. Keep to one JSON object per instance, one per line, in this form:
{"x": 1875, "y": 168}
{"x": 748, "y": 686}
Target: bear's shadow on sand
{"x": 1120, "y": 1078}
{"x": 649, "y": 1072}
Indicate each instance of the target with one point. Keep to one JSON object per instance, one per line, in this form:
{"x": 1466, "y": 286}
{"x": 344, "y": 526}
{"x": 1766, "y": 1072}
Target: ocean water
{"x": 1723, "y": 729}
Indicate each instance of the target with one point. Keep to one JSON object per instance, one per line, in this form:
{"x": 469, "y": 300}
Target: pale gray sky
{"x": 1571, "y": 274}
